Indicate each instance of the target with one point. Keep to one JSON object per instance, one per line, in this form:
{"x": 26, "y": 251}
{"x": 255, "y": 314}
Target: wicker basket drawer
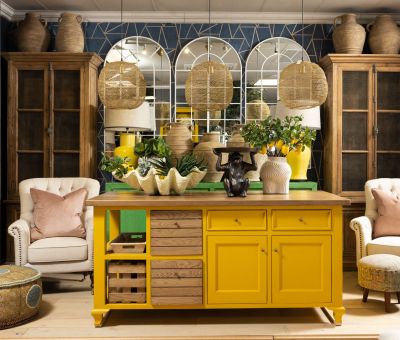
{"x": 176, "y": 282}
{"x": 126, "y": 281}
{"x": 176, "y": 232}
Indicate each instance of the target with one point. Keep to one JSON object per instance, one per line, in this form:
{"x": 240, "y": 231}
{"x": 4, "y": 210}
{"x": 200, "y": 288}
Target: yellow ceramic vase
{"x": 299, "y": 161}
{"x": 126, "y": 148}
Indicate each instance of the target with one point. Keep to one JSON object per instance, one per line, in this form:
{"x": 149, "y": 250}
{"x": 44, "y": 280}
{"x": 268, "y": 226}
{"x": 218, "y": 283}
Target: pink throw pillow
{"x": 54, "y": 215}
{"x": 388, "y": 221}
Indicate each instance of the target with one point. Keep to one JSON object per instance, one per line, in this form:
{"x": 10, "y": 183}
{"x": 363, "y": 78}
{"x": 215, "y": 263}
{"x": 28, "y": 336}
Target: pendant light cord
{"x": 302, "y": 30}
{"x": 122, "y": 33}
{"x": 209, "y": 28}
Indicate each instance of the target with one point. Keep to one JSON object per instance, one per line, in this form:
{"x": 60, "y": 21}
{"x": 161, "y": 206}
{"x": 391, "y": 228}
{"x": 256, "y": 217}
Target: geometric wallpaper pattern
{"x": 100, "y": 37}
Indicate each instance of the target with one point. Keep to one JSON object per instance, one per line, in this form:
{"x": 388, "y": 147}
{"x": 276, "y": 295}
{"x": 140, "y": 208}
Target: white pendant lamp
{"x": 311, "y": 117}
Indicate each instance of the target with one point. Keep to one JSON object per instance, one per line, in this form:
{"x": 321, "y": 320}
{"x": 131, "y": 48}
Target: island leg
{"x": 338, "y": 313}
{"x": 100, "y": 316}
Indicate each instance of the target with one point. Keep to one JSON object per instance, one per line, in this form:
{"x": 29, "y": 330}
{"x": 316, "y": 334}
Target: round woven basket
{"x": 121, "y": 86}
{"x": 209, "y": 87}
{"x": 20, "y": 295}
{"x": 303, "y": 85}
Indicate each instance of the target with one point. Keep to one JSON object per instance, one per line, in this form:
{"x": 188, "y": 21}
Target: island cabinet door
{"x": 237, "y": 269}
{"x": 301, "y": 269}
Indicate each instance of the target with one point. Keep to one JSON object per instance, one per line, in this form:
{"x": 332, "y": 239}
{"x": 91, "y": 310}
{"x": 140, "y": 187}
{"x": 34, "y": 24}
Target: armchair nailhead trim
{"x": 16, "y": 233}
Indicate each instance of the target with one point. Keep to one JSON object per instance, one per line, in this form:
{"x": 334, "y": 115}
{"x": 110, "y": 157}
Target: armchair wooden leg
{"x": 387, "y": 301}
{"x": 91, "y": 282}
{"x": 398, "y": 297}
{"x": 365, "y": 295}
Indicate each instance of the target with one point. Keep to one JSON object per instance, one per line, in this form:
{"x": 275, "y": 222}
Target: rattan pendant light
{"x": 302, "y": 85}
{"x": 209, "y": 86}
{"x": 121, "y": 85}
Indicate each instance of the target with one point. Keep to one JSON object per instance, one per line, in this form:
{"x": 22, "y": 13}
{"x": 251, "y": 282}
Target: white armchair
{"x": 363, "y": 225}
{"x": 55, "y": 254}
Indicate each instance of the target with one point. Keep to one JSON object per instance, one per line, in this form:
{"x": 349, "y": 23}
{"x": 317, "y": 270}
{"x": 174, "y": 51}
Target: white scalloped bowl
{"x": 173, "y": 183}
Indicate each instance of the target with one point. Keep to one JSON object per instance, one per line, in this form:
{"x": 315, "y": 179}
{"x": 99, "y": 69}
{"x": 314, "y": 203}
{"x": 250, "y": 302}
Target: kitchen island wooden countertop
{"x": 298, "y": 197}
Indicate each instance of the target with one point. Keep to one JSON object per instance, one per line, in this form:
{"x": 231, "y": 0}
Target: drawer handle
{"x": 238, "y": 221}
{"x": 177, "y": 275}
{"x": 302, "y": 220}
{"x": 177, "y": 225}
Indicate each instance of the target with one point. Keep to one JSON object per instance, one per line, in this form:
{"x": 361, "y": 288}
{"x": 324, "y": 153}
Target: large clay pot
{"x": 349, "y": 36}
{"x": 69, "y": 36}
{"x": 384, "y": 36}
{"x": 32, "y": 34}
{"x": 179, "y": 138}
{"x": 275, "y": 175}
{"x": 204, "y": 151}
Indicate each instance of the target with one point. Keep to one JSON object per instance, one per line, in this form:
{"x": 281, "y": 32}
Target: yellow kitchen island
{"x": 207, "y": 251}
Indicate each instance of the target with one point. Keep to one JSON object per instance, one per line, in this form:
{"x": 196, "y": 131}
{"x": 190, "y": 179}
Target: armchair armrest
{"x": 362, "y": 226}
{"x": 20, "y": 231}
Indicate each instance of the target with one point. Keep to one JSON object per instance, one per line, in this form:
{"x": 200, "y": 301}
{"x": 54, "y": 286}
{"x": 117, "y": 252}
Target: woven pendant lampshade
{"x": 302, "y": 85}
{"x": 121, "y": 86}
{"x": 209, "y": 87}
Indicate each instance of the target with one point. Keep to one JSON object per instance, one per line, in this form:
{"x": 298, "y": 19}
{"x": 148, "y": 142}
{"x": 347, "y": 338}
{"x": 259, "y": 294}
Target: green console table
{"x": 135, "y": 221}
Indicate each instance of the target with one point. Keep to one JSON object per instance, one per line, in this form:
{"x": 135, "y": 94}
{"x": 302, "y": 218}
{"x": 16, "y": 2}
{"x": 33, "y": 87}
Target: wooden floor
{"x": 65, "y": 313}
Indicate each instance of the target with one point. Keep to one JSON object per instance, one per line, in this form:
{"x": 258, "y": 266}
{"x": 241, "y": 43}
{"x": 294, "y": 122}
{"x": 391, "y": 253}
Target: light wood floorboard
{"x": 65, "y": 314}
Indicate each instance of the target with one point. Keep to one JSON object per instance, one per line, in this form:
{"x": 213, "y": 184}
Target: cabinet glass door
{"x": 388, "y": 123}
{"x": 355, "y": 124}
{"x": 30, "y": 124}
{"x": 66, "y": 123}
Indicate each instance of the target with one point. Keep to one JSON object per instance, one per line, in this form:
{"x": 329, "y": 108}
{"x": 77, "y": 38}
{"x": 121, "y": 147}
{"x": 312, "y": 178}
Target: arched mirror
{"x": 194, "y": 53}
{"x": 154, "y": 63}
{"x": 263, "y": 66}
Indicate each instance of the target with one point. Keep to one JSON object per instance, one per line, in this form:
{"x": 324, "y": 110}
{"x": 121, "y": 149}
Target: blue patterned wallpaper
{"x": 100, "y": 37}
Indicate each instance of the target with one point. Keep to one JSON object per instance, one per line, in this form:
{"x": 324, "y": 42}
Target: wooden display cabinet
{"x": 51, "y": 120}
{"x": 362, "y": 121}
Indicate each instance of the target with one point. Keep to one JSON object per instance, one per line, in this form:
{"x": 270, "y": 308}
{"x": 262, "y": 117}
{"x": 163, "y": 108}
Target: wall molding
{"x": 195, "y": 17}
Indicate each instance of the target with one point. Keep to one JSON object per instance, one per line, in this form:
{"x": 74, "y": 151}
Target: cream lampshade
{"x": 126, "y": 121}
{"x": 311, "y": 117}
{"x": 297, "y": 159}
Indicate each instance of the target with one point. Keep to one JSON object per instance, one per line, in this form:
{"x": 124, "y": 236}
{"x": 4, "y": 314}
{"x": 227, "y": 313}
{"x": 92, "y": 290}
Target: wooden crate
{"x": 176, "y": 282}
{"x": 126, "y": 281}
{"x": 178, "y": 232}
{"x": 129, "y": 243}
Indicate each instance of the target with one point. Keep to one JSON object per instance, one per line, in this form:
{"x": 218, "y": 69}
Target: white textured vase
{"x": 275, "y": 175}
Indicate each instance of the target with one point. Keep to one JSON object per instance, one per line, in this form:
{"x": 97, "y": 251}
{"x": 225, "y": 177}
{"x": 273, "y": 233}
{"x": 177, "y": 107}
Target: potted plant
{"x": 277, "y": 137}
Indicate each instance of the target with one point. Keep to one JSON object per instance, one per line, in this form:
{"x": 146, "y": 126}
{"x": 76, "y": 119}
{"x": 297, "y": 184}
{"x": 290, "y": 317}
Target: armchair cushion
{"x": 387, "y": 222}
{"x": 384, "y": 245}
{"x": 58, "y": 249}
{"x": 54, "y": 215}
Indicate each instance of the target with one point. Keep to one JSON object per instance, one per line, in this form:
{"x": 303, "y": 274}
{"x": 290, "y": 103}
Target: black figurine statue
{"x": 234, "y": 181}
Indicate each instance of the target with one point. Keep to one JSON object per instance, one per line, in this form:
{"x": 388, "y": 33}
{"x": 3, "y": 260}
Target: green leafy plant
{"x": 153, "y": 147}
{"x": 185, "y": 165}
{"x": 279, "y": 136}
{"x": 116, "y": 165}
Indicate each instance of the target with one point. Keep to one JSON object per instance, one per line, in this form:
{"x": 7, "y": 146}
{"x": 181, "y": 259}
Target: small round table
{"x": 20, "y": 294}
{"x": 380, "y": 272}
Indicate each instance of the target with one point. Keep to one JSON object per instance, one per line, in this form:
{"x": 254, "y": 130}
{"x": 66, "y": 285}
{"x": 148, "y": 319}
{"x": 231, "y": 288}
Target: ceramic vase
{"x": 179, "y": 138}
{"x": 349, "y": 36}
{"x": 299, "y": 161}
{"x": 204, "y": 152}
{"x": 69, "y": 36}
{"x": 275, "y": 175}
{"x": 32, "y": 34}
{"x": 384, "y": 35}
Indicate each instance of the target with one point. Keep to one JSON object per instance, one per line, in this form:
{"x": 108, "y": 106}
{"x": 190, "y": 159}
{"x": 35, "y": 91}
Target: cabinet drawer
{"x": 237, "y": 220}
{"x": 176, "y": 282}
{"x": 301, "y": 219}
{"x": 176, "y": 232}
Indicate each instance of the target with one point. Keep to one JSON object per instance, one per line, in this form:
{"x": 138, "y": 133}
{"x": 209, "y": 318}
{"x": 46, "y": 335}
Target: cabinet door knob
{"x": 301, "y": 219}
{"x": 276, "y": 250}
{"x": 237, "y": 221}
{"x": 263, "y": 250}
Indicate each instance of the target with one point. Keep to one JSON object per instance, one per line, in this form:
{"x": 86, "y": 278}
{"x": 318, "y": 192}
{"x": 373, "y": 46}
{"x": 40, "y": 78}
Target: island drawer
{"x": 296, "y": 219}
{"x": 176, "y": 282}
{"x": 176, "y": 232}
{"x": 237, "y": 220}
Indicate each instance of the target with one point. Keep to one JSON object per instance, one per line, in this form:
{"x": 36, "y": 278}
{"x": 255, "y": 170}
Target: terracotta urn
{"x": 349, "y": 36}
{"x": 69, "y": 36}
{"x": 384, "y": 35}
{"x": 204, "y": 151}
{"x": 275, "y": 175}
{"x": 32, "y": 34}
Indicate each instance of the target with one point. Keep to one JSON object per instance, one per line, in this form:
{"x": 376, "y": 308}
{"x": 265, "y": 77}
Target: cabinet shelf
{"x": 66, "y": 110}
{"x": 387, "y": 111}
{"x": 355, "y": 110}
{"x": 30, "y": 110}
{"x": 67, "y": 151}
{"x": 30, "y": 151}
{"x": 354, "y": 151}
